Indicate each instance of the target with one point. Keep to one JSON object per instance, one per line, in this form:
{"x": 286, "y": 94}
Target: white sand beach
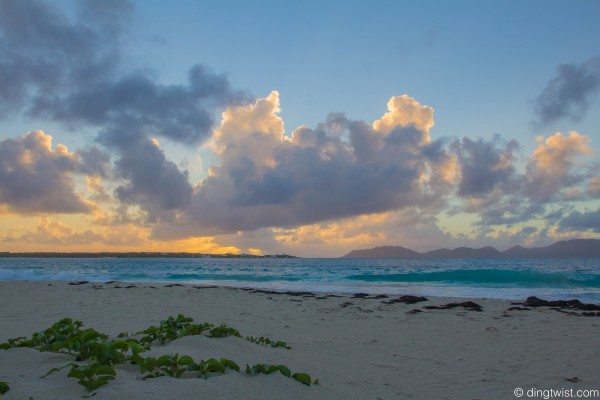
{"x": 358, "y": 348}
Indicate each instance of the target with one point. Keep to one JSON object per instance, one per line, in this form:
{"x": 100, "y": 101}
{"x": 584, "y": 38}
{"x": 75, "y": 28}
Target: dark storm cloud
{"x": 570, "y": 92}
{"x": 502, "y": 194}
{"x": 265, "y": 180}
{"x": 36, "y": 178}
{"x": 70, "y": 71}
{"x": 94, "y": 162}
{"x": 43, "y": 54}
{"x": 588, "y": 220}
{"x": 485, "y": 165}
{"x": 154, "y": 182}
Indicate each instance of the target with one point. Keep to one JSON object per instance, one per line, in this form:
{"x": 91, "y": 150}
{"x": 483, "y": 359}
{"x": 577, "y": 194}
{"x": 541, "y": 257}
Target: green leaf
{"x": 105, "y": 370}
{"x": 214, "y": 366}
{"x": 76, "y": 373}
{"x": 4, "y": 387}
{"x": 163, "y": 360}
{"x": 95, "y": 384}
{"x": 302, "y": 377}
{"x": 186, "y": 360}
{"x": 271, "y": 369}
{"x": 136, "y": 348}
{"x": 285, "y": 371}
{"x": 230, "y": 364}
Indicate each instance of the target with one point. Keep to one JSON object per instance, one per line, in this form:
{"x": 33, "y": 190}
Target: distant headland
{"x": 136, "y": 255}
{"x": 565, "y": 248}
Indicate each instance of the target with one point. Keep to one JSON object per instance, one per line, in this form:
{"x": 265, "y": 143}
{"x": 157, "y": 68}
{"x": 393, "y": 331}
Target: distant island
{"x": 565, "y": 248}
{"x": 136, "y": 255}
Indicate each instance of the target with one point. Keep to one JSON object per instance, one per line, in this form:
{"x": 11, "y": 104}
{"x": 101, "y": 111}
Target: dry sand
{"x": 362, "y": 350}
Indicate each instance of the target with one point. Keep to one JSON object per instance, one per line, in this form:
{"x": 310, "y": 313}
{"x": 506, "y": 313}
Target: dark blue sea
{"x": 550, "y": 278}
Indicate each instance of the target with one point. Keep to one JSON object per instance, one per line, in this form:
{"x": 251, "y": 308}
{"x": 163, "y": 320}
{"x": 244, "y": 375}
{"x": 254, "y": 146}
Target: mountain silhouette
{"x": 564, "y": 248}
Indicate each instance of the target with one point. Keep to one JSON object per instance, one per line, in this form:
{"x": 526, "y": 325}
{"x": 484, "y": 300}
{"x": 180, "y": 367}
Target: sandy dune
{"x": 358, "y": 348}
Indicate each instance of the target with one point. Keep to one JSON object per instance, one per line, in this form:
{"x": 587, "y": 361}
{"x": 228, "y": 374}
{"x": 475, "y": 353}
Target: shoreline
{"x": 493, "y": 279}
{"x": 358, "y": 346}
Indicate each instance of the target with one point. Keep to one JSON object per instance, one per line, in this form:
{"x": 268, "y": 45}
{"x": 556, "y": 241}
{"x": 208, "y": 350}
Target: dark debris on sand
{"x": 368, "y": 296}
{"x": 564, "y": 306}
{"x": 570, "y": 304}
{"x": 467, "y": 305}
{"x": 406, "y": 299}
{"x": 273, "y": 292}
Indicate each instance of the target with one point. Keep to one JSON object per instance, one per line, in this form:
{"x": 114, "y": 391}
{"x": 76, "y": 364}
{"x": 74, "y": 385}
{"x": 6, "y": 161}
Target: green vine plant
{"x": 93, "y": 374}
{"x": 263, "y": 341}
{"x": 175, "y": 366}
{"x": 101, "y": 353}
{"x": 283, "y": 370}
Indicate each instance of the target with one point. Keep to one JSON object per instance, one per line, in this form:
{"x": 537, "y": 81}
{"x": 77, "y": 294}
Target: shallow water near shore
{"x": 554, "y": 278}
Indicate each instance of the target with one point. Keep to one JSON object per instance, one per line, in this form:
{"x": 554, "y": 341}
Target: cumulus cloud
{"x": 484, "y": 165}
{"x": 582, "y": 221}
{"x": 70, "y": 70}
{"x": 50, "y": 233}
{"x": 264, "y": 178}
{"x": 570, "y": 93}
{"x": 345, "y": 168}
{"x": 405, "y": 111}
{"x": 593, "y": 188}
{"x": 153, "y": 181}
{"x": 503, "y": 187}
{"x": 552, "y": 170}
{"x": 34, "y": 177}
{"x": 42, "y": 52}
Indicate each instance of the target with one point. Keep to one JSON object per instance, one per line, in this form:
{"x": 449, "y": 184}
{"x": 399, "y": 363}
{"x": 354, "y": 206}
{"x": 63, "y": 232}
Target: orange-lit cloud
{"x": 342, "y": 168}
{"x": 53, "y": 234}
{"x": 553, "y": 165}
{"x": 321, "y": 191}
{"x": 405, "y": 111}
{"x": 36, "y": 178}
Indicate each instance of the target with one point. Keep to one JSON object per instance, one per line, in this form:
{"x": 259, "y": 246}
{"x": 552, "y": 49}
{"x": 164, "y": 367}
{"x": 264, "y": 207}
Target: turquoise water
{"x": 492, "y": 278}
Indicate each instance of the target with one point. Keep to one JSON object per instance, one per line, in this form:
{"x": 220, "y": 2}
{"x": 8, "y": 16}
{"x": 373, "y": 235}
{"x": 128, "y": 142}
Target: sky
{"x": 307, "y": 128}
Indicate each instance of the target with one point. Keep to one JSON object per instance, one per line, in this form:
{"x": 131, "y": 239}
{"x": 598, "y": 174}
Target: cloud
{"x": 345, "y": 168}
{"x": 588, "y": 220}
{"x": 570, "y": 92}
{"x": 153, "y": 181}
{"x": 503, "y": 187}
{"x": 484, "y": 165}
{"x": 336, "y": 238}
{"x": 70, "y": 70}
{"x": 594, "y": 186}
{"x": 405, "y": 111}
{"x": 42, "y": 52}
{"x": 263, "y": 178}
{"x": 553, "y": 167}
{"x": 34, "y": 177}
{"x": 54, "y": 234}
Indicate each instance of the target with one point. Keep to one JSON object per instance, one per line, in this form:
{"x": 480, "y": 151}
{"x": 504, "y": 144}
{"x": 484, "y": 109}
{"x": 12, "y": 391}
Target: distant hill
{"x": 384, "y": 252}
{"x": 463, "y": 252}
{"x": 565, "y": 248}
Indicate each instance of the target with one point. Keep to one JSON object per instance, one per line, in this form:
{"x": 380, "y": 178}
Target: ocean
{"x": 548, "y": 278}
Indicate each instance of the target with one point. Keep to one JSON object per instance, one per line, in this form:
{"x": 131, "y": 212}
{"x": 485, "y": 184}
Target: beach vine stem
{"x": 96, "y": 354}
